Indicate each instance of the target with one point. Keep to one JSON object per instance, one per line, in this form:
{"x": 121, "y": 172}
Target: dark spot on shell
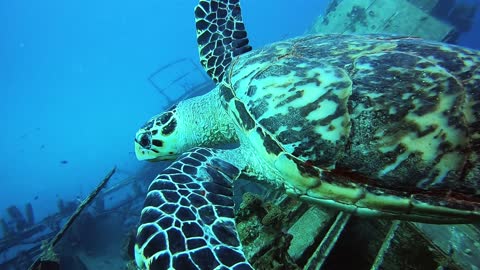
{"x": 252, "y": 89}
{"x": 226, "y": 93}
{"x": 298, "y": 94}
{"x": 245, "y": 118}
{"x": 269, "y": 143}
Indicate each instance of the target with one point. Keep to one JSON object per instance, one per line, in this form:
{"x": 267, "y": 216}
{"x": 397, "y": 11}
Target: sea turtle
{"x": 375, "y": 125}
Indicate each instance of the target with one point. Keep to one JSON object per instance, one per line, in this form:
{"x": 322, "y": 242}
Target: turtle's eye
{"x": 144, "y": 140}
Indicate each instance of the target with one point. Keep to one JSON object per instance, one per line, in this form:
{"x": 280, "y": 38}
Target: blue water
{"x": 472, "y": 38}
{"x": 74, "y": 88}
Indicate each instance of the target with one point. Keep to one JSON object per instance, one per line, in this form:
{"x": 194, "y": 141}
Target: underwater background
{"x": 73, "y": 79}
{"x": 74, "y": 84}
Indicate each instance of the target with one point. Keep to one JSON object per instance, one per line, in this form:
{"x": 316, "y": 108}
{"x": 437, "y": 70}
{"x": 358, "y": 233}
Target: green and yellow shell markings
{"x": 312, "y": 97}
{"x": 271, "y": 100}
{"x": 425, "y": 119}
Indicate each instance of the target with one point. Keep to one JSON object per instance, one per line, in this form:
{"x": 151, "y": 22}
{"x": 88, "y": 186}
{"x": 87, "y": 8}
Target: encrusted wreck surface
{"x": 399, "y": 17}
{"x": 282, "y": 233}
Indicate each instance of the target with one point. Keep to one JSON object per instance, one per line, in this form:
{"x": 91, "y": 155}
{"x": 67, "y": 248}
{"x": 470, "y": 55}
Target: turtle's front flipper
{"x": 221, "y": 35}
{"x": 187, "y": 221}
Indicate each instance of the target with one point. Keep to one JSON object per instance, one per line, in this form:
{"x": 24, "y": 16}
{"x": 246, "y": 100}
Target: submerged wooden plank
{"x": 329, "y": 241}
{"x": 461, "y": 243}
{"x": 385, "y": 245}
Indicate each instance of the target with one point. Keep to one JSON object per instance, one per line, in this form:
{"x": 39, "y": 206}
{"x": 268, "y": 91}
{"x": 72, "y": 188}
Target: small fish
{"x": 64, "y": 161}
{"x": 36, "y": 197}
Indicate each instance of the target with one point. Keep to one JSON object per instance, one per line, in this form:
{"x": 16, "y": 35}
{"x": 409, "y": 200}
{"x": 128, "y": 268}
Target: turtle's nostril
{"x": 144, "y": 140}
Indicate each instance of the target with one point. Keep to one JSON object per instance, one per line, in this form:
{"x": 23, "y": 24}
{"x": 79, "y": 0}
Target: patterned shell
{"x": 394, "y": 115}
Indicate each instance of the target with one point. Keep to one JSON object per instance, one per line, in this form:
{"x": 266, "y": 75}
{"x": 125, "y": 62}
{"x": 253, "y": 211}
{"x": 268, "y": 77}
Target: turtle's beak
{"x": 143, "y": 150}
{"x": 140, "y": 152}
{"x": 148, "y": 154}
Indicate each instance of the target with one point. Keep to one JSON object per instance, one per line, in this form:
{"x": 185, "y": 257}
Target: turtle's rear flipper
{"x": 187, "y": 221}
{"x": 221, "y": 35}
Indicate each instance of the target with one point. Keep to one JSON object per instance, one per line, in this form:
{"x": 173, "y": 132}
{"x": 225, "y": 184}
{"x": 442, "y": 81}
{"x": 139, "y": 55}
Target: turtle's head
{"x": 158, "y": 138}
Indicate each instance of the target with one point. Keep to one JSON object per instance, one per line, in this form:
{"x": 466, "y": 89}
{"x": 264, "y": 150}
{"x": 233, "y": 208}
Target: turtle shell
{"x": 380, "y": 123}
